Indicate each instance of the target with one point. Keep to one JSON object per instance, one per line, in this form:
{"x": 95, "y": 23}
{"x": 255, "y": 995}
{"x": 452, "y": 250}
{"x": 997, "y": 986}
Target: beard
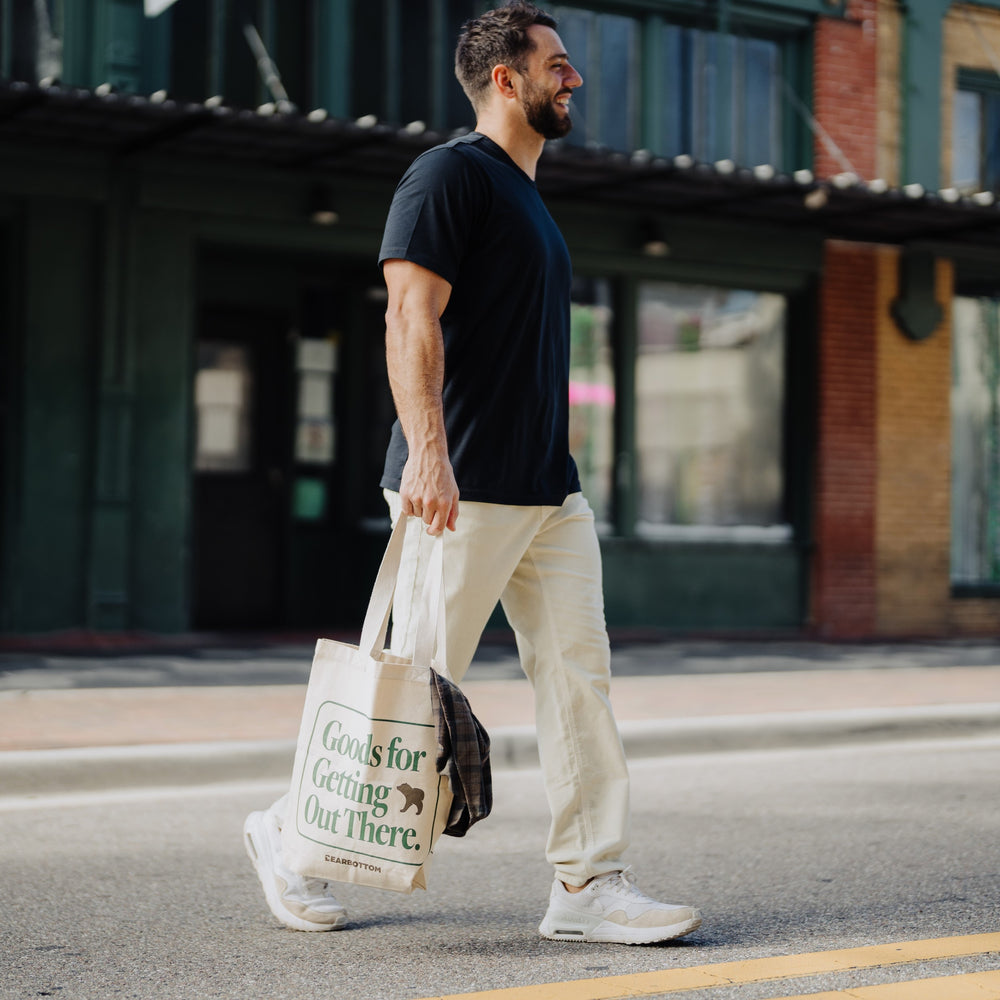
{"x": 544, "y": 117}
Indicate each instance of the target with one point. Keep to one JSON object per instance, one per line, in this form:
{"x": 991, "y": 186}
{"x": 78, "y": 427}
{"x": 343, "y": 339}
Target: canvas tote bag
{"x": 366, "y": 803}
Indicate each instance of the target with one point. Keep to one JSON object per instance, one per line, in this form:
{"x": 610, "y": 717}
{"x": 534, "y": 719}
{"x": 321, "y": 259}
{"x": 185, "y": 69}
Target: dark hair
{"x": 498, "y": 37}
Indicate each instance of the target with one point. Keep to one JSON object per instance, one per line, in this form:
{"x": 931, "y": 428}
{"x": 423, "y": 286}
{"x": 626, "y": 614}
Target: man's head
{"x": 498, "y": 37}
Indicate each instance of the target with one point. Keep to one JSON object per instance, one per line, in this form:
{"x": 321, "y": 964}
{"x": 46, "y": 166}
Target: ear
{"x": 503, "y": 80}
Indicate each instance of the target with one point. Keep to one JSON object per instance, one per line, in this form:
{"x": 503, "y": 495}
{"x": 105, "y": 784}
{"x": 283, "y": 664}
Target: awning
{"x": 125, "y": 125}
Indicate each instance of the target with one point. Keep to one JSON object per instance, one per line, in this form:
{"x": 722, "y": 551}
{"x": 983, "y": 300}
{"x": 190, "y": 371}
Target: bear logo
{"x": 413, "y": 797}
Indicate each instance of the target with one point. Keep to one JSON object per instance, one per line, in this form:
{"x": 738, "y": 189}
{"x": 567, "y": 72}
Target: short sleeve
{"x": 434, "y": 212}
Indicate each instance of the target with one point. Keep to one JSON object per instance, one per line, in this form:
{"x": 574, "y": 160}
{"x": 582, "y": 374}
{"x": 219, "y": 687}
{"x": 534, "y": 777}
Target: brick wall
{"x": 843, "y": 566}
{"x": 882, "y": 525}
{"x": 913, "y": 498}
{"x": 974, "y": 616}
{"x": 845, "y": 89}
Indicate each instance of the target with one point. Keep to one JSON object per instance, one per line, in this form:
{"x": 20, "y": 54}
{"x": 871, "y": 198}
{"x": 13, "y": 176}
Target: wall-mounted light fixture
{"x": 321, "y": 207}
{"x": 653, "y": 240}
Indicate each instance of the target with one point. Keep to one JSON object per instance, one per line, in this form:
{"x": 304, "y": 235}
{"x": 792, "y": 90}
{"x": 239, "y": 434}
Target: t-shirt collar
{"x": 498, "y": 152}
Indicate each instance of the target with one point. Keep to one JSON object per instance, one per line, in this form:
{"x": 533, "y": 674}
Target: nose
{"x": 571, "y": 78}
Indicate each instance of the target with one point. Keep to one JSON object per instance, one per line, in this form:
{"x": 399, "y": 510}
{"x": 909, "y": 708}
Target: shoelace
{"x": 622, "y": 884}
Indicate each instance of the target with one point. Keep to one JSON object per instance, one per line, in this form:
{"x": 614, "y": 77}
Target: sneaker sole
{"x": 253, "y": 828}
{"x": 608, "y": 933}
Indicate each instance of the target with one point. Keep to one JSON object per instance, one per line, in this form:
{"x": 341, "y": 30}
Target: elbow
{"x": 395, "y": 326}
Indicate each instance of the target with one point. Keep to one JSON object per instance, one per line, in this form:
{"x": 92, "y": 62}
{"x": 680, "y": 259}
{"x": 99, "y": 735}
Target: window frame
{"x": 987, "y": 85}
{"x": 797, "y": 415}
{"x": 790, "y": 28}
{"x": 966, "y": 588}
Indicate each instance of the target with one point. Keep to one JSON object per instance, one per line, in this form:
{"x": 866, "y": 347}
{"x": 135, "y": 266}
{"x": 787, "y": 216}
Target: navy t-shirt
{"x": 468, "y": 213}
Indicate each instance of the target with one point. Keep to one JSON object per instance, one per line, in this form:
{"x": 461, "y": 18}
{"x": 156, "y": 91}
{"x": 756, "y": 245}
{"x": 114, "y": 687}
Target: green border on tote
{"x": 351, "y": 850}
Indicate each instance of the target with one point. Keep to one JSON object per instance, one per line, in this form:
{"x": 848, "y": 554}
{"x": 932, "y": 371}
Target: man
{"x": 477, "y": 347}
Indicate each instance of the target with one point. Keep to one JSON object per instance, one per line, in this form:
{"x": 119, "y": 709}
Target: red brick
{"x": 844, "y": 566}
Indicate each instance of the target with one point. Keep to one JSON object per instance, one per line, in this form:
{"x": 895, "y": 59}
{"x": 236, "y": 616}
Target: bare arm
{"x": 414, "y": 349}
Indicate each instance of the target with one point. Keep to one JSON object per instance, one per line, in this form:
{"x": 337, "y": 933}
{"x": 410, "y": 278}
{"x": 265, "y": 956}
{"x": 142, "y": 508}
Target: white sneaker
{"x": 304, "y": 904}
{"x": 611, "y": 909}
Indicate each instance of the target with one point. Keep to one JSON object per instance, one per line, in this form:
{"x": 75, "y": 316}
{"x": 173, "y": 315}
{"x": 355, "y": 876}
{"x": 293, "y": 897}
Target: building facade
{"x": 785, "y": 365}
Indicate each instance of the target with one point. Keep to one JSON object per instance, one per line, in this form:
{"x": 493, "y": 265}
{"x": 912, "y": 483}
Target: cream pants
{"x": 544, "y": 566}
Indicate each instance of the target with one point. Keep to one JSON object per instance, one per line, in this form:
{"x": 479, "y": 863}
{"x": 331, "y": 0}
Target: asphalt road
{"x": 147, "y": 894}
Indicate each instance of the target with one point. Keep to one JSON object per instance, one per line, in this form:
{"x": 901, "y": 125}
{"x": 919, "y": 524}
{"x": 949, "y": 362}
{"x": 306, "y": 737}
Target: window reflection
{"x": 966, "y": 140}
{"x": 34, "y": 38}
{"x": 720, "y": 98}
{"x": 592, "y": 392}
{"x": 605, "y": 50}
{"x": 975, "y": 132}
{"x": 709, "y": 404}
{"x": 975, "y": 441}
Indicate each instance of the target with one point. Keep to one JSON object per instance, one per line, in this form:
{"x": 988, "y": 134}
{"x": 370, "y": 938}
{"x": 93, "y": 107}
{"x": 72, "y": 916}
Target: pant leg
{"x": 544, "y": 564}
{"x": 555, "y": 603}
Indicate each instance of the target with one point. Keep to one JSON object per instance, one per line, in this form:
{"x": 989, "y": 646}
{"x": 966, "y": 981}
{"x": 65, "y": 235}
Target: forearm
{"x": 415, "y": 362}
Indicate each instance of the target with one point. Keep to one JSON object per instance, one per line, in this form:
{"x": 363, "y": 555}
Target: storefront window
{"x": 975, "y": 441}
{"x": 975, "y": 147}
{"x": 31, "y": 39}
{"x": 723, "y": 96}
{"x": 222, "y": 396}
{"x": 966, "y": 140}
{"x": 709, "y": 402}
{"x": 605, "y": 50}
{"x": 592, "y": 393}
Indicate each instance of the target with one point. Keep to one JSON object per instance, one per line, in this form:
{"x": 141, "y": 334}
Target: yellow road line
{"x": 754, "y": 970}
{"x": 970, "y": 986}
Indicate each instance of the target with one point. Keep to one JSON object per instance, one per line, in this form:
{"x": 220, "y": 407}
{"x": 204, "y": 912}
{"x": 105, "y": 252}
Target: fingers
{"x": 437, "y": 515}
{"x": 430, "y": 494}
{"x": 437, "y": 518}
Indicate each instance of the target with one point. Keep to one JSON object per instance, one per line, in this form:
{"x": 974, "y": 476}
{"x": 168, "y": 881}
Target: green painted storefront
{"x": 114, "y": 274}
{"x": 123, "y": 254}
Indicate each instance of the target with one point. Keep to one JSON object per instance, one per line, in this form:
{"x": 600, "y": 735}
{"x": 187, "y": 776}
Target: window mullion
{"x": 626, "y": 491}
{"x": 6, "y": 39}
{"x": 332, "y": 56}
{"x": 652, "y": 84}
{"x": 269, "y": 33}
{"x": 217, "y": 46}
{"x": 440, "y": 42}
{"x": 393, "y": 61}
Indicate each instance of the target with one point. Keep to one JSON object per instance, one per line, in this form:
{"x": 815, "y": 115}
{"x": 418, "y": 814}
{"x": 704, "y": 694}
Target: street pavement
{"x": 126, "y": 771}
{"x": 793, "y": 855}
{"x": 202, "y": 709}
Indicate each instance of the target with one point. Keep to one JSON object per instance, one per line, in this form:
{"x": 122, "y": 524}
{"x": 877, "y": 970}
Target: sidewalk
{"x": 210, "y": 713}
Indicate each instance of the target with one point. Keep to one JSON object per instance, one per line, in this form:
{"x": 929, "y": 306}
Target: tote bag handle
{"x": 430, "y": 612}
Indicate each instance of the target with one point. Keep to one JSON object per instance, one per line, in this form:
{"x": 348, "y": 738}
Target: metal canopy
{"x": 122, "y": 126}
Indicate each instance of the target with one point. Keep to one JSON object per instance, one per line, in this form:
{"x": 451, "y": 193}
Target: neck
{"x": 517, "y": 139}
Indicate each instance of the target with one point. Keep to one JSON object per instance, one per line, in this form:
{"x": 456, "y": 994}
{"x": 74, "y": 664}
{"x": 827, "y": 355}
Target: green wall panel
{"x": 701, "y": 586}
{"x": 164, "y": 270}
{"x": 61, "y": 270}
{"x": 10, "y": 394}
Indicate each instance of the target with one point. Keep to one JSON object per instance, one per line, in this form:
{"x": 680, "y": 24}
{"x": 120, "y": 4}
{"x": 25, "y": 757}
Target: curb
{"x": 93, "y": 769}
{"x": 516, "y": 747}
